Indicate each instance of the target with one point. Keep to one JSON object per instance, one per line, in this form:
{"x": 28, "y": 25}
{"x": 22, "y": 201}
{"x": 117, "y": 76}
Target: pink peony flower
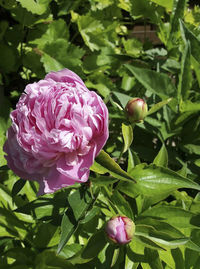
{"x": 58, "y": 128}
{"x": 120, "y": 229}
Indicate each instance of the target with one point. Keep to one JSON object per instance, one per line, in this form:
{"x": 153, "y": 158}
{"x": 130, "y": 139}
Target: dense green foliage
{"x": 150, "y": 174}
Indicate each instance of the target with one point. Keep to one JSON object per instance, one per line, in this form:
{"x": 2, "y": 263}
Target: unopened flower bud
{"x": 120, "y": 229}
{"x": 136, "y": 110}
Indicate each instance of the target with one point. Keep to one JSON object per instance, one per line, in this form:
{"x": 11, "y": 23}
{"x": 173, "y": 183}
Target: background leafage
{"x": 148, "y": 172}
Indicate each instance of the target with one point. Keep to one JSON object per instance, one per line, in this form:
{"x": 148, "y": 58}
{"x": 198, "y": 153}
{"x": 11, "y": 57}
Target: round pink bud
{"x": 120, "y": 229}
{"x": 57, "y": 130}
{"x": 136, "y": 110}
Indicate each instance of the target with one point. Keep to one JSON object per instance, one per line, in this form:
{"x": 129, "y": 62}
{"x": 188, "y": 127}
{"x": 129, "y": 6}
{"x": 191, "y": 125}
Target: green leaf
{"x": 70, "y": 250}
{"x": 185, "y": 78}
{"x": 56, "y": 51}
{"x": 147, "y": 242}
{"x": 188, "y": 106}
{"x": 3, "y": 28}
{"x": 178, "y": 258}
{"x": 4, "y": 124}
{"x": 44, "y": 206}
{"x": 175, "y": 216}
{"x": 6, "y": 198}
{"x": 91, "y": 214}
{"x": 95, "y": 244}
{"x": 161, "y": 238}
{"x": 36, "y": 7}
{"x": 177, "y": 13}
{"x": 13, "y": 224}
{"x": 123, "y": 98}
{"x": 26, "y": 18}
{"x": 18, "y": 186}
{"x": 135, "y": 250}
{"x": 133, "y": 160}
{"x": 88, "y": 28}
{"x": 61, "y": 54}
{"x": 8, "y": 57}
{"x": 46, "y": 235}
{"x": 104, "y": 163}
{"x": 31, "y": 60}
{"x": 103, "y": 180}
{"x": 79, "y": 202}
{"x": 21, "y": 255}
{"x": 158, "y": 106}
{"x": 197, "y": 263}
{"x": 101, "y": 85}
{"x": 197, "y": 162}
{"x": 168, "y": 4}
{"x": 122, "y": 205}
{"x": 163, "y": 178}
{"x": 190, "y": 258}
{"x": 166, "y": 228}
{"x": 68, "y": 226}
{"x": 51, "y": 64}
{"x": 130, "y": 264}
{"x": 159, "y": 225}
{"x": 49, "y": 259}
{"x": 127, "y": 132}
{"x": 56, "y": 30}
{"x": 162, "y": 158}
{"x": 158, "y": 83}
{"x": 127, "y": 82}
{"x": 192, "y": 148}
{"x": 133, "y": 47}
{"x": 153, "y": 180}
{"x": 196, "y": 66}
{"x": 144, "y": 9}
{"x": 9, "y": 4}
{"x": 194, "y": 42}
{"x": 153, "y": 258}
{"x": 95, "y": 33}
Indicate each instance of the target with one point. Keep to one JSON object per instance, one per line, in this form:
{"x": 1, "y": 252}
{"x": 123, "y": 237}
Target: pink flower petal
{"x": 64, "y": 75}
{"x": 53, "y": 182}
{"x": 80, "y": 171}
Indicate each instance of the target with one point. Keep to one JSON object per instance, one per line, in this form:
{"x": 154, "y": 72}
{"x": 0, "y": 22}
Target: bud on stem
{"x": 120, "y": 230}
{"x": 136, "y": 110}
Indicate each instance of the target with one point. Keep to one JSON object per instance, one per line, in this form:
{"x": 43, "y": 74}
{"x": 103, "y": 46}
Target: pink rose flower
{"x": 58, "y": 128}
{"x": 120, "y": 230}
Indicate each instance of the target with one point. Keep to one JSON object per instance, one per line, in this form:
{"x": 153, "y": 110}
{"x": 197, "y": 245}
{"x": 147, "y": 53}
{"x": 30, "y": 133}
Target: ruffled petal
{"x": 80, "y": 171}
{"x": 65, "y": 75}
{"x": 53, "y": 182}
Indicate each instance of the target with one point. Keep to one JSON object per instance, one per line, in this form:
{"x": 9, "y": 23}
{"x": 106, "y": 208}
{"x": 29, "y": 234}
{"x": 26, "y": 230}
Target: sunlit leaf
{"x": 158, "y": 106}
{"x": 37, "y": 7}
{"x": 79, "y": 202}
{"x": 162, "y": 157}
{"x": 175, "y": 216}
{"x": 104, "y": 163}
{"x": 153, "y": 180}
{"x": 194, "y": 41}
{"x": 127, "y": 132}
{"x": 153, "y": 81}
{"x": 185, "y": 78}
